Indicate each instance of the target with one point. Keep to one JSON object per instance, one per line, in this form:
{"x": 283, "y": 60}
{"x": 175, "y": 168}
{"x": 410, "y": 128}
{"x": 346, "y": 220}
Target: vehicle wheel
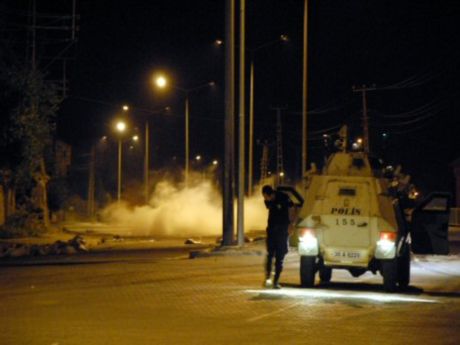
{"x": 404, "y": 268}
{"x": 389, "y": 270}
{"x": 325, "y": 274}
{"x": 307, "y": 270}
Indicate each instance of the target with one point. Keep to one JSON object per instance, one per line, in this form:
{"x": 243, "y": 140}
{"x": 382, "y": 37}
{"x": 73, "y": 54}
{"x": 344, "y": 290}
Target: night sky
{"x": 408, "y": 49}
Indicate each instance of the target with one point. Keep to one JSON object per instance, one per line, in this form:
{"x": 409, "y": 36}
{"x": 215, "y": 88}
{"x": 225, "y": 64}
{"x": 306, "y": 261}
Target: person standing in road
{"x": 278, "y": 204}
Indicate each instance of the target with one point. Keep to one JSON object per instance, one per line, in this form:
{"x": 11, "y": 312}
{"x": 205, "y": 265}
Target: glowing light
{"x": 359, "y": 141}
{"x": 284, "y": 38}
{"x": 161, "y": 81}
{"x": 198, "y": 158}
{"x": 388, "y": 236}
{"x": 135, "y": 137}
{"x": 348, "y": 295}
{"x": 306, "y": 232}
{"x": 386, "y": 248}
{"x": 281, "y": 174}
{"x": 125, "y": 107}
{"x": 120, "y": 126}
{"x": 219, "y": 42}
{"x": 215, "y": 162}
{"x": 308, "y": 243}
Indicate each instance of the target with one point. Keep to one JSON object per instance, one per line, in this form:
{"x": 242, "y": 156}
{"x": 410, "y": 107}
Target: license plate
{"x": 341, "y": 254}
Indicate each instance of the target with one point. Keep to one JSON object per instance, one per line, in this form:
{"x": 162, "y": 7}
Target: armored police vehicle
{"x": 353, "y": 219}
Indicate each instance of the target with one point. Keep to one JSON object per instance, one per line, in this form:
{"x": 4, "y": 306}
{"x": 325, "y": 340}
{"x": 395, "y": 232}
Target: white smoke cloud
{"x": 177, "y": 211}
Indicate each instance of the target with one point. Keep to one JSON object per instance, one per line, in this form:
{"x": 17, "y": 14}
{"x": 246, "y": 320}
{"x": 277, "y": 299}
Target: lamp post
{"x": 162, "y": 82}
{"x": 282, "y": 38}
{"x": 120, "y": 127}
{"x": 147, "y": 142}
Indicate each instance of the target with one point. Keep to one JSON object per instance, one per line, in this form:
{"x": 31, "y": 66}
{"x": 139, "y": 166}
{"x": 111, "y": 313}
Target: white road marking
{"x": 273, "y": 312}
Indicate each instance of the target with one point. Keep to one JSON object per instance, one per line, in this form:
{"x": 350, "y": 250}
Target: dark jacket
{"x": 278, "y": 210}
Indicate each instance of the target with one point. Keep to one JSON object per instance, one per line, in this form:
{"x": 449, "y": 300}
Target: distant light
{"x": 121, "y": 126}
{"x": 219, "y": 42}
{"x": 281, "y": 174}
{"x": 198, "y": 157}
{"x": 384, "y": 135}
{"x": 135, "y": 137}
{"x": 359, "y": 140}
{"x": 125, "y": 107}
{"x": 215, "y": 162}
{"x": 104, "y": 138}
{"x": 212, "y": 83}
{"x": 284, "y": 38}
{"x": 161, "y": 81}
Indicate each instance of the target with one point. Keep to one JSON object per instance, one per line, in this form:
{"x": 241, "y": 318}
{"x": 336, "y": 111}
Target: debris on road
{"x": 16, "y": 250}
{"x": 192, "y": 241}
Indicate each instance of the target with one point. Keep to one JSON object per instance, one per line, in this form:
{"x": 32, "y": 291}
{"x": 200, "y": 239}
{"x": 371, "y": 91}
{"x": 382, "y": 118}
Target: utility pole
{"x": 229, "y": 159}
{"x": 91, "y": 182}
{"x": 146, "y": 162}
{"x": 241, "y": 122}
{"x": 305, "y": 90}
{"x": 363, "y": 89}
{"x": 264, "y": 162}
{"x": 34, "y": 34}
{"x": 251, "y": 124}
{"x": 279, "y": 149}
{"x": 74, "y": 5}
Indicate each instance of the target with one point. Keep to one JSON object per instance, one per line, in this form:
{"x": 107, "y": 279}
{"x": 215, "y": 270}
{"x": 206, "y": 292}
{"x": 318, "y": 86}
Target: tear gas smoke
{"x": 175, "y": 210}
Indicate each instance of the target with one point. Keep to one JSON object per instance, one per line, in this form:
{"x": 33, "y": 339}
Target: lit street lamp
{"x": 159, "y": 81}
{"x": 120, "y": 127}
{"x": 162, "y": 82}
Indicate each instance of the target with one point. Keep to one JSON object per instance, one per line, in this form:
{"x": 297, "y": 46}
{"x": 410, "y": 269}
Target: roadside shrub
{"x": 23, "y": 224}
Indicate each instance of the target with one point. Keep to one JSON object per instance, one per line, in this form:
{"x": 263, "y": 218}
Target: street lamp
{"x": 158, "y": 81}
{"x": 120, "y": 127}
{"x": 162, "y": 82}
{"x": 281, "y": 38}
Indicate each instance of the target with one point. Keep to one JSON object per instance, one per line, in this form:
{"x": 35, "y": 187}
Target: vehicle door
{"x": 430, "y": 225}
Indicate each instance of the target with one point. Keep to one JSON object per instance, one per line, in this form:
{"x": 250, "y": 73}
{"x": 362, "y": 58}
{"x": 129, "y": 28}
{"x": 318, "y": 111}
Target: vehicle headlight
{"x": 386, "y": 248}
{"x": 308, "y": 243}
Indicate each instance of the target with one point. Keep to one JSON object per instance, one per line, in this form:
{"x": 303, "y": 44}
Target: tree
{"x": 31, "y": 128}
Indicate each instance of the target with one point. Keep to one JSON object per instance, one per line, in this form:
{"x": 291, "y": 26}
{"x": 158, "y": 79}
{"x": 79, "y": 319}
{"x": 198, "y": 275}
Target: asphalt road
{"x": 162, "y": 297}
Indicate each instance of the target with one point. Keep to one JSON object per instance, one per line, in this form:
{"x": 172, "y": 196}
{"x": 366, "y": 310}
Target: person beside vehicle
{"x": 278, "y": 205}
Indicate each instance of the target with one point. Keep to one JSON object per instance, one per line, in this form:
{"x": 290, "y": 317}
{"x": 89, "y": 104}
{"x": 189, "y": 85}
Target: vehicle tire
{"x": 404, "y": 268}
{"x": 325, "y": 274}
{"x": 389, "y": 270}
{"x": 307, "y": 270}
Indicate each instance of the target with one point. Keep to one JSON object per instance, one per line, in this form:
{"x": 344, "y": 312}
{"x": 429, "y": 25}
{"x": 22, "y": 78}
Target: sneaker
{"x": 276, "y": 285}
{"x": 267, "y": 283}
